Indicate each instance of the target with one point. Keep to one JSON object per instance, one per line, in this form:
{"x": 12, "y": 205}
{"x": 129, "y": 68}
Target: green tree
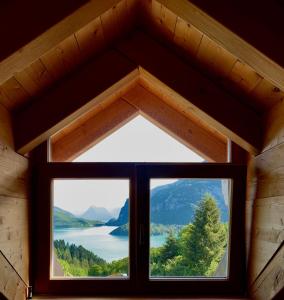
{"x": 206, "y": 239}
{"x": 171, "y": 247}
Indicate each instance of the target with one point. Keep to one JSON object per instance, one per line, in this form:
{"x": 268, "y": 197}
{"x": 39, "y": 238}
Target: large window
{"x": 179, "y": 231}
{"x": 137, "y": 212}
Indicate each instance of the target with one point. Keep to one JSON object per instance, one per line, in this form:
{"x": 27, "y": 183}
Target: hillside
{"x": 175, "y": 203}
{"x": 97, "y": 213}
{"x": 64, "y": 219}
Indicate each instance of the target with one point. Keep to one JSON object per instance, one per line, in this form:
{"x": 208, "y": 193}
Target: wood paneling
{"x": 11, "y": 285}
{"x": 21, "y": 59}
{"x": 193, "y": 135}
{"x": 227, "y": 39}
{"x": 91, "y": 128}
{"x": 271, "y": 280}
{"x": 235, "y": 74}
{"x": 74, "y": 96}
{"x": 14, "y": 222}
{"x": 222, "y": 111}
{"x": 6, "y": 133}
{"x": 268, "y": 209}
{"x": 92, "y": 131}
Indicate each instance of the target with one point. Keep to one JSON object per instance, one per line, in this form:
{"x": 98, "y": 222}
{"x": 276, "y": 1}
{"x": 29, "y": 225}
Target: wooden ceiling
{"x": 36, "y": 70}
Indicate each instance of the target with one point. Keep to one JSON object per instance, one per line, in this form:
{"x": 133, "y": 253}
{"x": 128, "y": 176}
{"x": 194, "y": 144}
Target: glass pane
{"x": 86, "y": 241}
{"x": 189, "y": 224}
{"x": 139, "y": 141}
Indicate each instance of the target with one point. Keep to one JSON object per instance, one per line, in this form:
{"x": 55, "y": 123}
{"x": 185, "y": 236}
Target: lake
{"x": 100, "y": 241}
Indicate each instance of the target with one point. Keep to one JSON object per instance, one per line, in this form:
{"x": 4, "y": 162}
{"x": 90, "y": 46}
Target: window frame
{"x": 139, "y": 282}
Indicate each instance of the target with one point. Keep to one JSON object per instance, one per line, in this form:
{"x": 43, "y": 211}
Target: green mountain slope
{"x": 64, "y": 219}
{"x": 175, "y": 203}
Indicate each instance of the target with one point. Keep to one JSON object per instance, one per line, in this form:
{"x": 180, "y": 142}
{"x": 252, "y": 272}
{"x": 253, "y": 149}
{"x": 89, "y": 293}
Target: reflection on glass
{"x": 189, "y": 224}
{"x": 90, "y": 228}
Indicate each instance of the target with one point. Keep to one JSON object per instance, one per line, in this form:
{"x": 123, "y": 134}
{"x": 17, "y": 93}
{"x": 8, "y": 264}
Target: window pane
{"x": 189, "y": 224}
{"x": 85, "y": 238}
{"x": 139, "y": 141}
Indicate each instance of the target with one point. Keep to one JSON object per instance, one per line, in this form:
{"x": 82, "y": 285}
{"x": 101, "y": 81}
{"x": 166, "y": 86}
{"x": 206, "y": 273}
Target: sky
{"x": 137, "y": 141}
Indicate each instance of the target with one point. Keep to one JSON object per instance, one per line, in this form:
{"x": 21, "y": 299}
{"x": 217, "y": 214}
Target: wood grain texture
{"x": 268, "y": 208}
{"x": 11, "y": 285}
{"x": 14, "y": 229}
{"x": 92, "y": 131}
{"x": 222, "y": 110}
{"x": 74, "y": 96}
{"x": 227, "y": 39}
{"x": 6, "y": 131}
{"x": 21, "y": 59}
{"x": 185, "y": 130}
{"x": 271, "y": 281}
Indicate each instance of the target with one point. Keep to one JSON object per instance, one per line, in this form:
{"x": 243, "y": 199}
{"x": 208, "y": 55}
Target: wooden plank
{"x": 227, "y": 39}
{"x": 90, "y": 38}
{"x": 39, "y": 74}
{"x": 266, "y": 95}
{"x": 92, "y": 131}
{"x": 177, "y": 125}
{"x": 52, "y": 37}
{"x": 215, "y": 59}
{"x": 6, "y": 132}
{"x": 15, "y": 92}
{"x": 63, "y": 58}
{"x": 115, "y": 21}
{"x": 244, "y": 77}
{"x": 205, "y": 99}
{"x": 274, "y": 127}
{"x": 271, "y": 279}
{"x": 11, "y": 285}
{"x": 187, "y": 37}
{"x": 68, "y": 100}
{"x": 181, "y": 106}
{"x": 14, "y": 206}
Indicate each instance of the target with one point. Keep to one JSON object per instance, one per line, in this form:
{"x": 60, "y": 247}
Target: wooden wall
{"x": 13, "y": 214}
{"x": 268, "y": 210}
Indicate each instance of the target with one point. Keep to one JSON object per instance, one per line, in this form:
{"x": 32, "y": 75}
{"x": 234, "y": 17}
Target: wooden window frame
{"x": 138, "y": 283}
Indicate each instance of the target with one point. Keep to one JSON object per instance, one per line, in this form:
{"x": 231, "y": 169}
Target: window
{"x": 179, "y": 228}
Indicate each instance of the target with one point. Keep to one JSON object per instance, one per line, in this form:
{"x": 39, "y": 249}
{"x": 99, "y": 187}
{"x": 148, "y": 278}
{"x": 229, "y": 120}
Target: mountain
{"x": 97, "y": 213}
{"x": 64, "y": 219}
{"x": 175, "y": 203}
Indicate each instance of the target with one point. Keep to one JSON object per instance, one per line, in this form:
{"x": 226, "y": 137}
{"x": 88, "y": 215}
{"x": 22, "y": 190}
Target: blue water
{"x": 100, "y": 242}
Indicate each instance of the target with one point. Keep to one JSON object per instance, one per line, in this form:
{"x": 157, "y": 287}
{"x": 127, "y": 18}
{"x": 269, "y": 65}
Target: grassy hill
{"x": 64, "y": 219}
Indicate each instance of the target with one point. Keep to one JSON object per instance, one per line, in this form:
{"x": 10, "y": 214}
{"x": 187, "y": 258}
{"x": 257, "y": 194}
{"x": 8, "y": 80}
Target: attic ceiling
{"x": 99, "y": 26}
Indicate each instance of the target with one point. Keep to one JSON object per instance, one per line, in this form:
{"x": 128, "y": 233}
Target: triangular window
{"x": 139, "y": 141}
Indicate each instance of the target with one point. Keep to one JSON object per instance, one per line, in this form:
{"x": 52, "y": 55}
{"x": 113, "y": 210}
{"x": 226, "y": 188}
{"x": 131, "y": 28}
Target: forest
{"x": 195, "y": 250}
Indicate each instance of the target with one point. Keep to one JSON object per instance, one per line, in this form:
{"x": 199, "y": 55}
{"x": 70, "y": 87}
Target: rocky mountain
{"x": 97, "y": 213}
{"x": 64, "y": 219}
{"x": 175, "y": 203}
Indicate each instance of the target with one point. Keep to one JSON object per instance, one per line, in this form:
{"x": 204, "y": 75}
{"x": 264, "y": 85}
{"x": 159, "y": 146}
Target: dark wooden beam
{"x": 32, "y": 28}
{"x": 259, "y": 23}
{"x": 72, "y": 97}
{"x": 211, "y": 103}
{"x": 245, "y": 23}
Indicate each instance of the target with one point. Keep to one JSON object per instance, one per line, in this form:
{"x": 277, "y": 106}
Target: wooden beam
{"x": 72, "y": 97}
{"x": 25, "y": 56}
{"x": 270, "y": 282}
{"x": 92, "y": 131}
{"x": 177, "y": 125}
{"x": 218, "y": 108}
{"x": 227, "y": 39}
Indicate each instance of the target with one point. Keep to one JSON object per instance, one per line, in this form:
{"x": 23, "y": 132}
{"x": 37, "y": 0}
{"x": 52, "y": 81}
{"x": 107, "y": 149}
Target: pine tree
{"x": 207, "y": 239}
